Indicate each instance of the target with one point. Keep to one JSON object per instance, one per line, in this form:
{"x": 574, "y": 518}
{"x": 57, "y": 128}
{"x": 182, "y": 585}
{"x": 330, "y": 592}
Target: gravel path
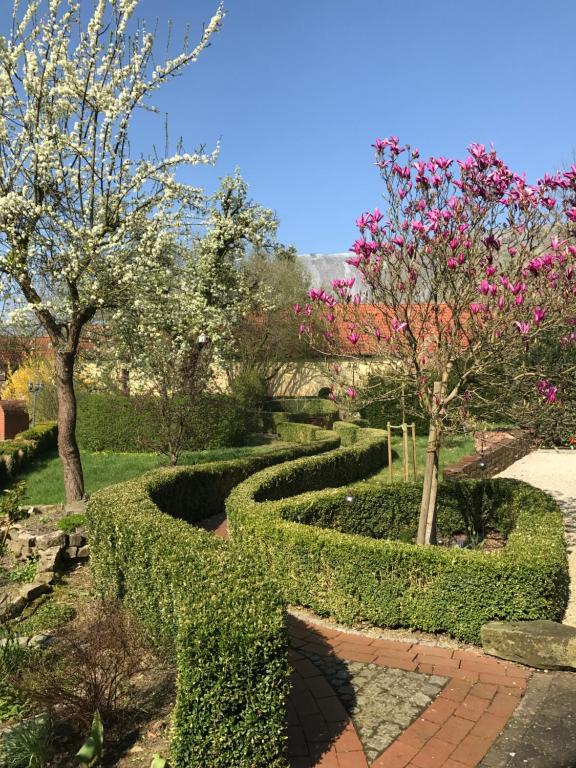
{"x": 555, "y": 472}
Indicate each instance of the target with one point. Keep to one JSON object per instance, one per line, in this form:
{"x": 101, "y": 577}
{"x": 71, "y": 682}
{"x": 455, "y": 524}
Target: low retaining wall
{"x": 501, "y": 448}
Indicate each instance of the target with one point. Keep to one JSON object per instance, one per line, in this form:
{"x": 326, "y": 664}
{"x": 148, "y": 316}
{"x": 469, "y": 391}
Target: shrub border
{"x": 205, "y": 602}
{"x": 390, "y": 583}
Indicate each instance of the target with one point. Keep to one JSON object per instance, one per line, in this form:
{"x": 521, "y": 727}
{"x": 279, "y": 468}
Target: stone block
{"x": 49, "y": 540}
{"x": 15, "y": 547}
{"x": 76, "y": 540}
{"x": 71, "y": 553}
{"x": 30, "y": 592}
{"x": 27, "y": 540}
{"x": 75, "y": 508}
{"x": 84, "y": 552}
{"x": 49, "y": 560}
{"x": 540, "y": 644}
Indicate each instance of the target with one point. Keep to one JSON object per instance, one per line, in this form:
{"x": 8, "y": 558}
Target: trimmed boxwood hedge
{"x": 305, "y": 410}
{"x": 207, "y": 603}
{"x": 353, "y": 576}
{"x": 27, "y": 445}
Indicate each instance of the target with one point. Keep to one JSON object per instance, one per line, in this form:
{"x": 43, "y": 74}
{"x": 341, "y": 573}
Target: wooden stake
{"x": 389, "y": 452}
{"x": 414, "y": 462}
{"x": 405, "y": 451}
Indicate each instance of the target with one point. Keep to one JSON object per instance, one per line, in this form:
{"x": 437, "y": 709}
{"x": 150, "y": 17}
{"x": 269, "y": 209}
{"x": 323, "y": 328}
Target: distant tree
{"x": 81, "y": 221}
{"x": 465, "y": 269}
{"x": 186, "y": 312}
{"x": 264, "y": 340}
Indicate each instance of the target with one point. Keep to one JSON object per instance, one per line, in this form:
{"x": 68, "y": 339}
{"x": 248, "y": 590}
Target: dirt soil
{"x": 142, "y": 729}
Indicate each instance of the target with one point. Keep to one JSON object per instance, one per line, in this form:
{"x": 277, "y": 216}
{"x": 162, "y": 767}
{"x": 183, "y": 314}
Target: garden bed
{"x": 345, "y": 552}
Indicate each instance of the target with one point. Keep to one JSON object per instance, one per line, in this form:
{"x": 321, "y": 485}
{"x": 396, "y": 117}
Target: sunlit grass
{"x": 45, "y": 485}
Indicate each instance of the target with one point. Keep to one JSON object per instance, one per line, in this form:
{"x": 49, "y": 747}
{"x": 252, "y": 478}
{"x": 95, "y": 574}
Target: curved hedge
{"x": 26, "y": 446}
{"x": 307, "y": 410}
{"x": 207, "y": 603}
{"x": 391, "y": 583}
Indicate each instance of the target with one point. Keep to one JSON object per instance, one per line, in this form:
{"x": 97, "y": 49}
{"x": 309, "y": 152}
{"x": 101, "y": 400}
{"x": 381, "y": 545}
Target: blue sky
{"x": 297, "y": 90}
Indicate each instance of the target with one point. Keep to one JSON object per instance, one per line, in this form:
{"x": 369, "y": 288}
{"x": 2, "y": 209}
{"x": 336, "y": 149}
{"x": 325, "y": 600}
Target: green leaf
{"x": 90, "y": 753}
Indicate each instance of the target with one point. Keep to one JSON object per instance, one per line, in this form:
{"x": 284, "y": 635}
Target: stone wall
{"x": 501, "y": 448}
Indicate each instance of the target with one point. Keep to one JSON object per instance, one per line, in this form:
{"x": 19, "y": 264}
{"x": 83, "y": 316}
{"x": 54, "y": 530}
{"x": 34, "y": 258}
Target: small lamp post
{"x": 34, "y": 387}
{"x": 202, "y": 340}
{"x": 482, "y": 463}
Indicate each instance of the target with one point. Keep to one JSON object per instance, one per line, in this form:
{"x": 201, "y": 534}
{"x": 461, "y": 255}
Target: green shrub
{"x": 295, "y": 432}
{"x": 308, "y": 410}
{"x": 122, "y": 424}
{"x": 206, "y": 602}
{"x": 24, "y": 448}
{"x": 45, "y": 436}
{"x": 350, "y": 570}
{"x": 348, "y": 432}
{"x": 111, "y": 422}
{"x": 271, "y": 419}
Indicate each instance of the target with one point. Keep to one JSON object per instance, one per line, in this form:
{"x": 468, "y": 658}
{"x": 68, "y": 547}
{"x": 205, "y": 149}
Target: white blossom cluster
{"x": 197, "y": 292}
{"x": 83, "y": 224}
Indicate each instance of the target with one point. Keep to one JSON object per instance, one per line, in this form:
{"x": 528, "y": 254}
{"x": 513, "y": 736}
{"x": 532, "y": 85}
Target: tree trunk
{"x": 427, "y": 487}
{"x": 67, "y": 445}
{"x": 430, "y": 535}
{"x": 427, "y": 520}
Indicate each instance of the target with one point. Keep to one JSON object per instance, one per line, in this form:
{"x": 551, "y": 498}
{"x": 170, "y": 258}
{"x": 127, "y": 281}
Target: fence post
{"x": 405, "y": 451}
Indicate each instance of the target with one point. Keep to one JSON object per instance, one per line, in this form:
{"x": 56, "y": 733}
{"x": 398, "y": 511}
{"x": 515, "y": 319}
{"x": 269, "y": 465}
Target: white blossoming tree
{"x": 187, "y": 312}
{"x": 81, "y": 221}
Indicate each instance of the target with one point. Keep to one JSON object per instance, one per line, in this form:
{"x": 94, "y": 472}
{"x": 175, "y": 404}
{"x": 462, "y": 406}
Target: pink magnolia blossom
{"x": 353, "y": 337}
{"x": 523, "y": 328}
{"x": 351, "y": 392}
{"x": 397, "y": 325}
{"x": 539, "y": 314}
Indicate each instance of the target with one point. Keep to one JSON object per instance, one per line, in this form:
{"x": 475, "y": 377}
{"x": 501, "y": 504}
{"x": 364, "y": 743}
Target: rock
{"x": 26, "y": 539}
{"x": 30, "y": 592}
{"x": 84, "y": 552}
{"x": 71, "y": 553}
{"x": 49, "y": 540}
{"x": 46, "y": 577}
{"x": 40, "y": 641}
{"x": 49, "y": 560}
{"x": 12, "y": 606}
{"x": 48, "y": 509}
{"x": 540, "y": 644}
{"x": 15, "y": 547}
{"x": 75, "y": 508}
{"x": 76, "y": 540}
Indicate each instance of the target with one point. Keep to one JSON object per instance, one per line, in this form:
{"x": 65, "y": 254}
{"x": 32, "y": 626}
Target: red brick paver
{"x": 454, "y": 731}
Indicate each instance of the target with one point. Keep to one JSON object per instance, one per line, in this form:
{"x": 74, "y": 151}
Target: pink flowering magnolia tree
{"x": 465, "y": 267}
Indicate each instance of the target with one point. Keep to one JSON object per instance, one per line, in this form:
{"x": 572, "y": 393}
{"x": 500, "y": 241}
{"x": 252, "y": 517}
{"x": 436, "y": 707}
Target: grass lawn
{"x": 454, "y": 448}
{"x": 44, "y": 483}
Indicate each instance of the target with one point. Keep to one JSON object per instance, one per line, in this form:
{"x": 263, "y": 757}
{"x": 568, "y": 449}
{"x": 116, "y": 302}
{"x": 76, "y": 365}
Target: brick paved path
{"x": 455, "y": 730}
{"x": 451, "y": 729}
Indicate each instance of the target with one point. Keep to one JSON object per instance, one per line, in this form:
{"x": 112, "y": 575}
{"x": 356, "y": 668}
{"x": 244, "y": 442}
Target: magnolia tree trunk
{"x": 427, "y": 521}
{"x": 67, "y": 445}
